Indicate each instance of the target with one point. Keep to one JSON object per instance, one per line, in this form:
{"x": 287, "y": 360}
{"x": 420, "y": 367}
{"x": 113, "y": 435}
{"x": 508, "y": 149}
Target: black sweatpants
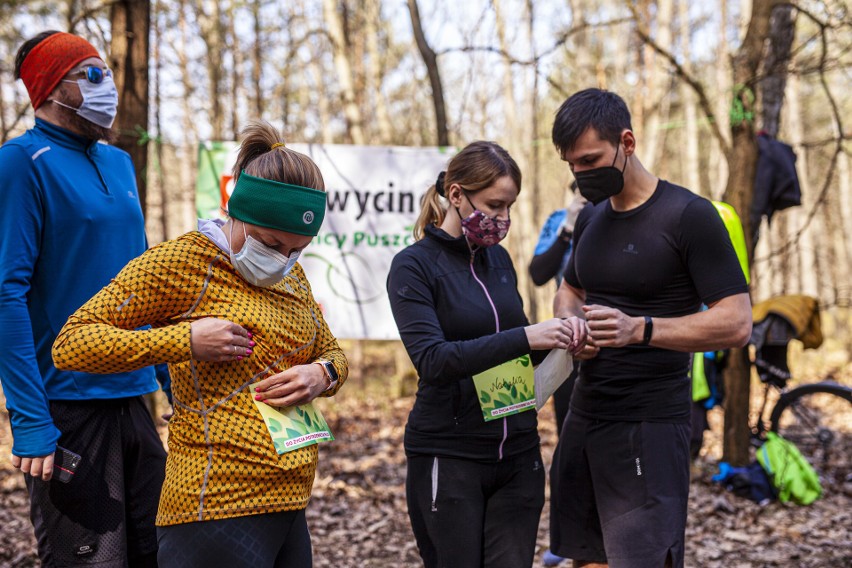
{"x": 105, "y": 514}
{"x": 468, "y": 514}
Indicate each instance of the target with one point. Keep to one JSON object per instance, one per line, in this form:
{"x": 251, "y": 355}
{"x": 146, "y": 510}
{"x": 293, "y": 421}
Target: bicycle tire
{"x": 798, "y": 417}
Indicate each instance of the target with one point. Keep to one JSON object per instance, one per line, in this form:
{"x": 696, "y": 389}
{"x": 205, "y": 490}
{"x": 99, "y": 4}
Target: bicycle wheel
{"x": 817, "y": 418}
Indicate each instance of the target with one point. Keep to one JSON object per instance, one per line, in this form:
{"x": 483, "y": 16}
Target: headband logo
{"x": 308, "y": 217}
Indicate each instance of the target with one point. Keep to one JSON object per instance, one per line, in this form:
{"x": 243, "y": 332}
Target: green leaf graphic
{"x": 274, "y": 425}
{"x": 484, "y": 397}
{"x": 293, "y": 433}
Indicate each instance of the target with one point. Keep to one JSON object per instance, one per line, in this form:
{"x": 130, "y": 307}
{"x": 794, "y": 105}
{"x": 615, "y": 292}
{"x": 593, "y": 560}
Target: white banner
{"x": 373, "y": 198}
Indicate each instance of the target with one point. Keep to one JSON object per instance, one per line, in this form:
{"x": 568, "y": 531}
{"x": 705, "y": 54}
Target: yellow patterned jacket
{"x": 221, "y": 462}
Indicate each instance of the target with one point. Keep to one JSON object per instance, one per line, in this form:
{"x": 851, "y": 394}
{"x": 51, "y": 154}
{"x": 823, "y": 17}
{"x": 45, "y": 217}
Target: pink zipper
{"x": 497, "y": 323}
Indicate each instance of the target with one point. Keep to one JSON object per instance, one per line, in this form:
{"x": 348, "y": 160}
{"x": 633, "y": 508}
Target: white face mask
{"x": 100, "y": 101}
{"x": 259, "y": 264}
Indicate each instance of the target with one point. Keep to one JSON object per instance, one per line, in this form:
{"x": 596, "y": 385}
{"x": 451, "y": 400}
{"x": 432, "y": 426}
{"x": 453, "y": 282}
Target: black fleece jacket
{"x": 448, "y": 327}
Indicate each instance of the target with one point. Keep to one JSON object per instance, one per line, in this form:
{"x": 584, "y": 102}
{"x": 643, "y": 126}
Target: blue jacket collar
{"x": 64, "y": 137}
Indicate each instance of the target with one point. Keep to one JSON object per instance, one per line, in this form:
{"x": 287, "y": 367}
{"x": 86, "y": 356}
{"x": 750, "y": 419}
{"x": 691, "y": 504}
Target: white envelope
{"x": 551, "y": 373}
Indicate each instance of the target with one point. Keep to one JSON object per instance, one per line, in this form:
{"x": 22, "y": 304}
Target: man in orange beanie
{"x": 70, "y": 219}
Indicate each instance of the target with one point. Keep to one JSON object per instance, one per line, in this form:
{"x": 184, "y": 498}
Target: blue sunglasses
{"x": 94, "y": 75}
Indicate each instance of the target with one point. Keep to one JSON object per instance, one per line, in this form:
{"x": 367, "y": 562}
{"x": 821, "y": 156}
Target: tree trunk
{"x": 376, "y": 69}
{"x": 213, "y": 34}
{"x": 236, "y": 71}
{"x": 354, "y": 122}
{"x": 718, "y": 172}
{"x": 130, "y": 23}
{"x": 806, "y": 246}
{"x": 430, "y": 59}
{"x": 781, "y": 32}
{"x": 742, "y": 164}
{"x": 657, "y": 85}
{"x": 257, "y": 58}
{"x": 323, "y": 104}
{"x": 692, "y": 164}
{"x": 158, "y": 128}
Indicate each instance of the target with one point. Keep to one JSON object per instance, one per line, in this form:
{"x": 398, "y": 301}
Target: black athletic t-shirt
{"x": 662, "y": 259}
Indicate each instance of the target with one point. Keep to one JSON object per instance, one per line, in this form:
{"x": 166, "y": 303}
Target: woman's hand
{"x": 297, "y": 385}
{"x": 213, "y": 339}
{"x": 558, "y": 333}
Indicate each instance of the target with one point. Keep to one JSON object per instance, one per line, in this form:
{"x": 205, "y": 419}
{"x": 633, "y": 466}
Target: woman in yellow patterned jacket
{"x": 229, "y": 310}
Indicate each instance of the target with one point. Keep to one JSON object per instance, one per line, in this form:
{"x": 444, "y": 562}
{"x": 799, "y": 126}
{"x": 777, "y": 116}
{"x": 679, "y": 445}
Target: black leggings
{"x": 271, "y": 540}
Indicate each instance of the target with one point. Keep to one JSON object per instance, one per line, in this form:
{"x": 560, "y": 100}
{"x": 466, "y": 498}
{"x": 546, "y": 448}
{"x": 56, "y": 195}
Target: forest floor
{"x": 357, "y": 515}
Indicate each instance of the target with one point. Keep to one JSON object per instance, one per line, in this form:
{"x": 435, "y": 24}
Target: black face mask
{"x": 601, "y": 183}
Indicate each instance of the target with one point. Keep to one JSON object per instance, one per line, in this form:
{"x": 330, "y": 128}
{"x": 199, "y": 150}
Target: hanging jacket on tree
{"x": 776, "y": 183}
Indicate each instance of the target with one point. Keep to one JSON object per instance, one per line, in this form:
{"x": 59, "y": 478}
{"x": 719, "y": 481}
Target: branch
{"x": 687, "y": 77}
{"x": 560, "y": 41}
{"x": 22, "y": 110}
{"x": 89, "y": 12}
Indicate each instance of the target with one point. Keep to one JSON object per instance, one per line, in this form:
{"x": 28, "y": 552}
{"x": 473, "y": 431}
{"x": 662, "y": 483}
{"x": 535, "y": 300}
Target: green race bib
{"x": 506, "y": 389}
{"x": 293, "y": 427}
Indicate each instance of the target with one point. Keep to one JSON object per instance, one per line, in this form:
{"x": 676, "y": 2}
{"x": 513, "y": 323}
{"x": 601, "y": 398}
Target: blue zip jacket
{"x": 70, "y": 219}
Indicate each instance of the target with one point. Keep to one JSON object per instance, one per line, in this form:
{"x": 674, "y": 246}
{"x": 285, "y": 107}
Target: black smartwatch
{"x": 330, "y": 373}
{"x": 649, "y": 330}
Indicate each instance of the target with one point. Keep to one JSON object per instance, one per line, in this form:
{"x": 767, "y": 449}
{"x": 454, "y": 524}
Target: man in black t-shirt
{"x": 645, "y": 258}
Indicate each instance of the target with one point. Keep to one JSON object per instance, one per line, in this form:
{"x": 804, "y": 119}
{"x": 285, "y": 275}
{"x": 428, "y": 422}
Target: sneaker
{"x": 550, "y": 559}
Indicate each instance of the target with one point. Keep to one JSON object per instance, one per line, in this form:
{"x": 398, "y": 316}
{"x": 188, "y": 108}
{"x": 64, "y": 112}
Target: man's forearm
{"x": 727, "y": 324}
{"x": 568, "y": 302}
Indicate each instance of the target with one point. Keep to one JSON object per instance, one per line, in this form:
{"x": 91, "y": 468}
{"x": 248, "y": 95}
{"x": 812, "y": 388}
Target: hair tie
{"x": 439, "y": 184}
{"x": 276, "y": 145}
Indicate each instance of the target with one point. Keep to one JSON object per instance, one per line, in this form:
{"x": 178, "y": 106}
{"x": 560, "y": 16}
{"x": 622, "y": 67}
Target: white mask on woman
{"x": 259, "y": 264}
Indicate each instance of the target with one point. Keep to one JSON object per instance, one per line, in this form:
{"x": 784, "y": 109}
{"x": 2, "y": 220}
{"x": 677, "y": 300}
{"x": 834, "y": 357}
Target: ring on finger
{"x": 235, "y": 349}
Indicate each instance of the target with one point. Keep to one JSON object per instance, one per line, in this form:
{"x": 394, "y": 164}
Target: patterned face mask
{"x": 482, "y": 230}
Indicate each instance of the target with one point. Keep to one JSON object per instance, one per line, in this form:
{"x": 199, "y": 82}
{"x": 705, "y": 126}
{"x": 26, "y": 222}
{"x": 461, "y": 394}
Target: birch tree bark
{"x": 257, "y": 57}
{"x": 213, "y": 34}
{"x": 657, "y": 83}
{"x": 692, "y": 173}
{"x": 805, "y": 251}
{"x": 375, "y": 69}
{"x": 236, "y": 71}
{"x": 334, "y": 23}
{"x": 723, "y": 88}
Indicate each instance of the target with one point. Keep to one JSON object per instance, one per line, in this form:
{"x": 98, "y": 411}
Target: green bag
{"x": 790, "y": 473}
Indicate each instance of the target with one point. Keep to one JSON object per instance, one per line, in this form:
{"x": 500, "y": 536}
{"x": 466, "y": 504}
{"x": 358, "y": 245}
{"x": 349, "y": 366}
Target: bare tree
{"x": 213, "y": 33}
{"x": 339, "y": 46}
{"x": 376, "y": 68}
{"x": 131, "y": 22}
{"x": 430, "y": 59}
{"x": 742, "y": 165}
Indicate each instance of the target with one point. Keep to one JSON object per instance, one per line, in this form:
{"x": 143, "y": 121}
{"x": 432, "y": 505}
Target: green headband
{"x": 277, "y": 205}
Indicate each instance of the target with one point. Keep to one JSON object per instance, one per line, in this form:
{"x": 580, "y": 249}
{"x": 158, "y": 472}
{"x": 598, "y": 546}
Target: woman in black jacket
{"x": 475, "y": 483}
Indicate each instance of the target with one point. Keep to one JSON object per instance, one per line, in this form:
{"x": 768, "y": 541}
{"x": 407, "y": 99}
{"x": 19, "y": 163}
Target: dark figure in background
{"x": 70, "y": 219}
{"x": 646, "y": 256}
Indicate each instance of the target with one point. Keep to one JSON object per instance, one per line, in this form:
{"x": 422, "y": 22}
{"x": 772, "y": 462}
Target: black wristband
{"x": 649, "y": 329}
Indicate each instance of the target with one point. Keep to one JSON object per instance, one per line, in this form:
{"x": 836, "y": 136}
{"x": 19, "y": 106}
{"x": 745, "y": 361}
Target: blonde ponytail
{"x": 432, "y": 212}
